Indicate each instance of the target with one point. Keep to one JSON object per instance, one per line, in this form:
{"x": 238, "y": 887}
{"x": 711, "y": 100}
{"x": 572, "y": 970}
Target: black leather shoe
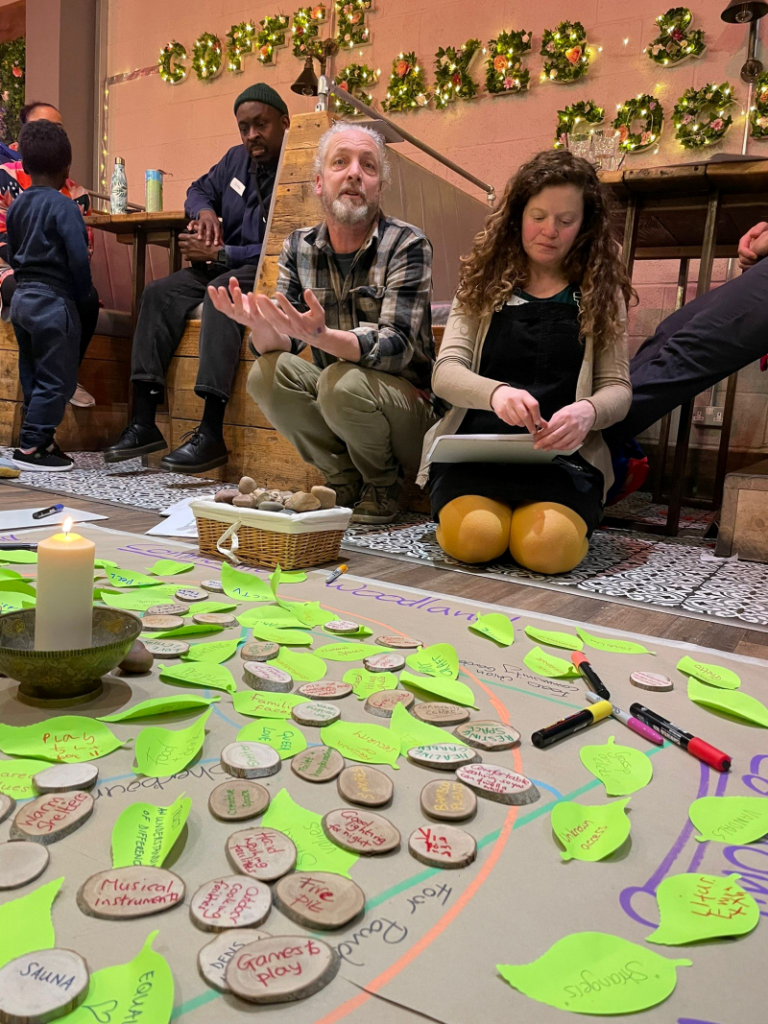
{"x": 197, "y": 455}
{"x": 135, "y": 440}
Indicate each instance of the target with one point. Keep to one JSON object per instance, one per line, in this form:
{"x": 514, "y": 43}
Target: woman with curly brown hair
{"x": 536, "y": 341}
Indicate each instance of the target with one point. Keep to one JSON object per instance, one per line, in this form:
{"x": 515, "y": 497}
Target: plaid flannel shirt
{"x": 384, "y": 300}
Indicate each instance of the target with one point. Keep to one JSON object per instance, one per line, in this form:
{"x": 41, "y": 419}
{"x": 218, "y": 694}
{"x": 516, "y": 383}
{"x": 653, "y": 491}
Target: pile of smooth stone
{"x": 250, "y": 495}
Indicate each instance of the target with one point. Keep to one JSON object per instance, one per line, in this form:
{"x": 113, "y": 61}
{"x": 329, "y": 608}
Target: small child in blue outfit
{"x": 48, "y": 250}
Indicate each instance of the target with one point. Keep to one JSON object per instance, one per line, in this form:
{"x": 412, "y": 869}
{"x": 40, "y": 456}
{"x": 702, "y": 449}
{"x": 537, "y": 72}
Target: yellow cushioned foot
{"x": 547, "y": 537}
{"x": 474, "y": 529}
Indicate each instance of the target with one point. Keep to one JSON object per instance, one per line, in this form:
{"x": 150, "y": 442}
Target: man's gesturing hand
{"x": 518, "y": 408}
{"x": 237, "y": 306}
{"x": 308, "y": 327}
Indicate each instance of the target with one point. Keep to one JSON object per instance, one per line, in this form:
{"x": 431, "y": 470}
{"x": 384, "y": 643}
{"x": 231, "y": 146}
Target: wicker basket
{"x": 266, "y": 539}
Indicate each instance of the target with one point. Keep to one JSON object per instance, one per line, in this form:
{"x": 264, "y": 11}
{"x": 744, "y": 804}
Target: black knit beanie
{"x": 262, "y": 93}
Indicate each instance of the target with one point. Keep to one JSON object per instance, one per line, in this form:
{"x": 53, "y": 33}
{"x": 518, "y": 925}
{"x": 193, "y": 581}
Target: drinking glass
{"x": 606, "y": 146}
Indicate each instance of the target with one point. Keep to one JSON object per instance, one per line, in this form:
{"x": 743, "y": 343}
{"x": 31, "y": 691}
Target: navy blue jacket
{"x": 47, "y": 241}
{"x": 244, "y": 218}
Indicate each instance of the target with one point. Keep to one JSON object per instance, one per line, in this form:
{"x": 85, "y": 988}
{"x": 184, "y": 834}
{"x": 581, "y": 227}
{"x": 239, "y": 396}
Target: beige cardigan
{"x": 603, "y": 382}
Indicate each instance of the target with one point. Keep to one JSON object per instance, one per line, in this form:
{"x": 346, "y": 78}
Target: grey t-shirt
{"x": 344, "y": 261}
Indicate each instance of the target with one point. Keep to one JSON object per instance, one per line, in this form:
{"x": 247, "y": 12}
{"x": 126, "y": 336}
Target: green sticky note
{"x": 161, "y": 752}
{"x": 291, "y": 637}
{"x": 451, "y": 690}
{"x": 217, "y": 651}
{"x": 243, "y": 586}
{"x": 439, "y": 660}
{"x": 139, "y": 600}
{"x": 592, "y": 972}
{"x": 496, "y": 627}
{"x": 623, "y": 770}
{"x": 68, "y": 738}
{"x": 139, "y": 990}
{"x": 25, "y": 923}
{"x": 371, "y": 744}
{"x": 268, "y": 615}
{"x": 547, "y": 665}
{"x": 167, "y": 567}
{"x": 199, "y": 673}
{"x": 193, "y": 629}
{"x": 127, "y": 578}
{"x": 315, "y": 851}
{"x": 604, "y": 643}
{"x": 554, "y": 639}
{"x": 303, "y": 667}
{"x": 265, "y": 703}
{"x": 715, "y": 675}
{"x": 159, "y": 706}
{"x": 19, "y": 557}
{"x": 309, "y": 613}
{"x": 409, "y": 732}
{"x": 349, "y": 651}
{"x": 16, "y": 776}
{"x": 730, "y": 819}
{"x": 693, "y": 907}
{"x": 739, "y": 705}
{"x": 364, "y": 683}
{"x": 283, "y": 737}
{"x": 145, "y": 834}
{"x": 359, "y": 634}
{"x": 590, "y": 832}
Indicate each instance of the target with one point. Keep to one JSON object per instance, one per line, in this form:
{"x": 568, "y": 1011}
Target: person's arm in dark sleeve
{"x": 238, "y": 255}
{"x": 206, "y": 192}
{"x": 72, "y": 230}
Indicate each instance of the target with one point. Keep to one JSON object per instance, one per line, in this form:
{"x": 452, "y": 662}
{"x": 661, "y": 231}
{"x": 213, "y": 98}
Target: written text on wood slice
{"x": 213, "y": 958}
{"x": 364, "y": 785}
{"x": 247, "y": 760}
{"x": 443, "y": 756}
{"x": 42, "y": 986}
{"x": 230, "y": 901}
{"x": 259, "y": 650}
{"x": 487, "y": 735}
{"x": 166, "y": 648}
{"x": 52, "y": 817}
{"x": 282, "y": 969}
{"x": 315, "y": 713}
{"x": 448, "y": 800}
{"x": 361, "y": 831}
{"x": 325, "y": 691}
{"x": 262, "y": 853}
{"x": 497, "y": 783}
{"x": 317, "y": 764}
{"x": 136, "y": 891}
{"x": 238, "y": 800}
{"x": 262, "y": 676}
{"x": 440, "y": 713}
{"x": 318, "y": 899}
{"x": 442, "y": 846}
{"x": 383, "y": 702}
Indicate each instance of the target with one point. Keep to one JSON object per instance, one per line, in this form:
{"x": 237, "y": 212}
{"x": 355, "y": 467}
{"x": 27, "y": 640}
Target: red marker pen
{"x": 698, "y": 748}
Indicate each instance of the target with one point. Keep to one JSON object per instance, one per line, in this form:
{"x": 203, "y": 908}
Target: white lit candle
{"x": 64, "y": 608}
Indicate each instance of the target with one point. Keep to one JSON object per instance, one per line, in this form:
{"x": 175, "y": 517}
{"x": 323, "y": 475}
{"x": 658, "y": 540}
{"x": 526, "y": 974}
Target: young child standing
{"x": 48, "y": 250}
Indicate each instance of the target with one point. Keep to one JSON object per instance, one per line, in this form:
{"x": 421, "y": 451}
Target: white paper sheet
{"x": 21, "y": 518}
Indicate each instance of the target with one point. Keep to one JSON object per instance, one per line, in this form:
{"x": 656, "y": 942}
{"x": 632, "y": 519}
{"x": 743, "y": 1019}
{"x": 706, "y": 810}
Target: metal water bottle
{"x": 118, "y": 192}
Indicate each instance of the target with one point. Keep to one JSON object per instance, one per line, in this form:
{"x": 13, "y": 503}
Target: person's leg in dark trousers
{"x": 220, "y": 343}
{"x": 88, "y": 311}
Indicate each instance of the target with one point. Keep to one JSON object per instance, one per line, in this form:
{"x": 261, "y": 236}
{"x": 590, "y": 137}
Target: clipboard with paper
{"x": 516, "y": 448}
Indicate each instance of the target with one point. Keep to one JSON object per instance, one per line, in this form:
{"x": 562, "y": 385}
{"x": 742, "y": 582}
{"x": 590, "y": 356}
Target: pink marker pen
{"x": 632, "y": 723}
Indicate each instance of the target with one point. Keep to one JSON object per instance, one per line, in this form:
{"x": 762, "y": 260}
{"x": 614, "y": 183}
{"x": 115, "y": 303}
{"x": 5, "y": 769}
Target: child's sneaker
{"x": 44, "y": 460}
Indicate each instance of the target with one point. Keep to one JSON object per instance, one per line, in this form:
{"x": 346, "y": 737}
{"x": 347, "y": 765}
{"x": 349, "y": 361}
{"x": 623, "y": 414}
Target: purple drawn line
{"x": 693, "y": 1020}
{"x": 701, "y": 848}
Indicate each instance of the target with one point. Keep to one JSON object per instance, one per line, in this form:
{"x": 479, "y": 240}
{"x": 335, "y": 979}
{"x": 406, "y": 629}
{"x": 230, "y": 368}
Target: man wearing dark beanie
{"x": 228, "y": 209}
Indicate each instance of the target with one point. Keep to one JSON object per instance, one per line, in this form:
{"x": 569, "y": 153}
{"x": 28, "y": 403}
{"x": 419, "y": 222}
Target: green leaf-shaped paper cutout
{"x": 10, "y": 574}
{"x": 623, "y": 770}
{"x": 315, "y": 852}
{"x": 161, "y": 752}
{"x": 610, "y": 644}
{"x": 68, "y": 738}
{"x": 309, "y": 613}
{"x": 268, "y": 615}
{"x": 364, "y": 683}
{"x": 25, "y": 923}
{"x": 715, "y": 675}
{"x": 349, "y": 651}
{"x": 242, "y": 586}
{"x": 290, "y": 637}
{"x": 439, "y": 660}
{"x": 104, "y": 563}
{"x": 141, "y": 990}
{"x": 211, "y": 607}
{"x": 369, "y": 744}
{"x": 160, "y": 706}
{"x": 296, "y": 576}
{"x": 303, "y": 666}
{"x": 17, "y": 587}
{"x": 10, "y": 602}
{"x": 16, "y": 776}
{"x": 265, "y": 704}
{"x": 199, "y": 673}
{"x": 740, "y": 705}
{"x": 169, "y": 567}
{"x": 589, "y": 832}
{"x": 547, "y": 665}
{"x": 730, "y": 819}
{"x": 139, "y": 600}
{"x": 693, "y": 907}
{"x": 145, "y": 834}
{"x": 217, "y": 651}
{"x": 283, "y": 737}
{"x": 496, "y": 627}
{"x": 452, "y": 690}
{"x": 592, "y": 972}
{"x": 193, "y": 629}
{"x": 19, "y": 557}
{"x": 125, "y": 578}
{"x": 409, "y": 732}
{"x": 554, "y": 639}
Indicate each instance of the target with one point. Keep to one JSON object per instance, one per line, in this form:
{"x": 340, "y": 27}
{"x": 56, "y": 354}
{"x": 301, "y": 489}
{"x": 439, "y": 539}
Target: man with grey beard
{"x": 356, "y": 288}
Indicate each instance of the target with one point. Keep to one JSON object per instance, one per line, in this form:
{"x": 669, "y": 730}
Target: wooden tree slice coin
{"x": 213, "y": 958}
{"x": 52, "y": 817}
{"x": 444, "y": 756}
{"x": 238, "y": 800}
{"x": 7, "y": 804}
{"x": 447, "y": 800}
{"x": 190, "y": 595}
{"x": 259, "y": 650}
{"x": 214, "y": 619}
{"x": 42, "y": 986}
{"x": 398, "y": 642}
{"x": 442, "y": 846}
{"x": 384, "y": 662}
{"x": 137, "y": 891}
{"x": 488, "y": 735}
{"x": 317, "y": 764}
{"x": 342, "y": 626}
{"x": 60, "y": 778}
{"x": 500, "y": 784}
{"x": 230, "y": 901}
{"x": 21, "y": 863}
{"x": 366, "y": 786}
{"x": 166, "y": 648}
{"x": 167, "y": 609}
{"x": 262, "y": 853}
{"x": 161, "y": 622}
{"x": 651, "y": 681}
{"x": 440, "y": 713}
{"x": 247, "y": 760}
{"x": 383, "y": 703}
{"x": 325, "y": 691}
{"x": 282, "y": 969}
{"x": 259, "y": 676}
{"x": 315, "y": 713}
{"x": 318, "y": 899}
{"x": 212, "y": 586}
{"x": 363, "y": 832}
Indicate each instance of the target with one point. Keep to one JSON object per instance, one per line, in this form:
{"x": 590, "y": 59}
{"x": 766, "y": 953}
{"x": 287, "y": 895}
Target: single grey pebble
{"x": 288, "y": 511}
{"x": 243, "y": 501}
{"x": 225, "y": 495}
{"x": 137, "y": 660}
{"x": 270, "y": 506}
{"x": 247, "y": 485}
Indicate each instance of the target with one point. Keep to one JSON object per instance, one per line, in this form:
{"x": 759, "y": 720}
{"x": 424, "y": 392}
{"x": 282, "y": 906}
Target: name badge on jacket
{"x": 237, "y": 185}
